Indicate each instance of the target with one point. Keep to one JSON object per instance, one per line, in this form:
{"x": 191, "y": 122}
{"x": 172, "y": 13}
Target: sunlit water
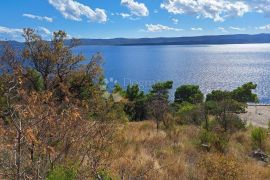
{"x": 210, "y": 66}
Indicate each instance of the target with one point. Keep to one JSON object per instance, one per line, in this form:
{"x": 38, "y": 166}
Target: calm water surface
{"x": 210, "y": 66}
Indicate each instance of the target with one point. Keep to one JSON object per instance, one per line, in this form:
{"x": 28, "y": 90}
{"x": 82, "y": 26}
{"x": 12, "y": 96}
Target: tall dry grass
{"x": 175, "y": 154}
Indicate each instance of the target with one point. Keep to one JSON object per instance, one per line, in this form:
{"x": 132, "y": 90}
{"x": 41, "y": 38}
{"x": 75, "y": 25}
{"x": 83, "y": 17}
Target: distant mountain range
{"x": 196, "y": 40}
{"x": 221, "y": 39}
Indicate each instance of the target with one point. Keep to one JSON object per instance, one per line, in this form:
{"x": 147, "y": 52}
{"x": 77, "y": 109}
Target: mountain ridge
{"x": 189, "y": 40}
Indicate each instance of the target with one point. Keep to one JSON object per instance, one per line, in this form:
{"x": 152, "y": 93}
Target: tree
{"x": 241, "y": 94}
{"x": 158, "y": 101}
{"x": 65, "y": 122}
{"x": 51, "y": 59}
{"x": 162, "y": 89}
{"x": 225, "y": 104}
{"x": 244, "y": 93}
{"x": 188, "y": 93}
{"x": 118, "y": 89}
{"x": 218, "y": 95}
{"x": 220, "y": 104}
{"x": 135, "y": 106}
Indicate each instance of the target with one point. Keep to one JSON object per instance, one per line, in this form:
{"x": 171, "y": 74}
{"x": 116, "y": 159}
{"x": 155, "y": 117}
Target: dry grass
{"x": 175, "y": 154}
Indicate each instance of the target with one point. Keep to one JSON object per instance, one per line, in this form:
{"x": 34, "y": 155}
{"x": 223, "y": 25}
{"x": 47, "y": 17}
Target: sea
{"x": 212, "y": 67}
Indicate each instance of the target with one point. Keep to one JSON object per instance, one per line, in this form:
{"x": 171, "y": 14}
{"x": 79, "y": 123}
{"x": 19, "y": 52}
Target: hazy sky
{"x": 134, "y": 18}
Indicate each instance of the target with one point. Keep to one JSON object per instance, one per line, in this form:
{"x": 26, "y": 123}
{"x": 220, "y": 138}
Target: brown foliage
{"x": 44, "y": 129}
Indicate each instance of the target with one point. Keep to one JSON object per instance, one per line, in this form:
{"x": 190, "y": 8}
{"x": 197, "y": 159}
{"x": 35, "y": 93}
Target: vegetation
{"x": 158, "y": 104}
{"x": 58, "y": 122}
{"x": 258, "y": 137}
{"x": 188, "y": 93}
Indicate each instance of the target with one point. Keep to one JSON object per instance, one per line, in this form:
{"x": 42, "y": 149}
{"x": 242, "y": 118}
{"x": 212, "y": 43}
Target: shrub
{"x": 218, "y": 141}
{"x": 104, "y": 175}
{"x": 62, "y": 173}
{"x": 190, "y": 113}
{"x": 206, "y": 137}
{"x": 36, "y": 79}
{"x": 236, "y": 123}
{"x": 221, "y": 142}
{"x": 258, "y": 136}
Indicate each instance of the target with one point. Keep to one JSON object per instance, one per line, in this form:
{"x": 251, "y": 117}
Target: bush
{"x": 236, "y": 123}
{"x": 36, "y": 79}
{"x": 206, "y": 137}
{"x": 104, "y": 175}
{"x": 190, "y": 114}
{"x": 218, "y": 141}
{"x": 258, "y": 136}
{"x": 62, "y": 173}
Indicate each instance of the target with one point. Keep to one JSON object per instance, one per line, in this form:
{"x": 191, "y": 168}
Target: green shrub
{"x": 217, "y": 141}
{"x": 236, "y": 123}
{"x": 206, "y": 137}
{"x": 62, "y": 173}
{"x": 189, "y": 114}
{"x": 104, "y": 175}
{"x": 221, "y": 142}
{"x": 258, "y": 136}
{"x": 213, "y": 124}
{"x": 37, "y": 79}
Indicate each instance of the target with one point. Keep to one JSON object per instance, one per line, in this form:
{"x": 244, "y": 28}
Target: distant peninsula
{"x": 196, "y": 40}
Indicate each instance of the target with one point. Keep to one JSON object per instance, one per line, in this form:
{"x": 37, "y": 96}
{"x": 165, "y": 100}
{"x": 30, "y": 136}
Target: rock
{"x": 260, "y": 156}
{"x": 206, "y": 147}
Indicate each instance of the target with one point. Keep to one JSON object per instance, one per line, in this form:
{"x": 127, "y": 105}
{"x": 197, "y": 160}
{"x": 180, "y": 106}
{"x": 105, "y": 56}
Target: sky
{"x": 133, "y": 18}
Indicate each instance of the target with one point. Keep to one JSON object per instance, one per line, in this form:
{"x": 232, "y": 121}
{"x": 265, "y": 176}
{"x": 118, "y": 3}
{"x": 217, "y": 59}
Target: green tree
{"x": 118, "y": 89}
{"x": 188, "y": 93}
{"x": 223, "y": 107}
{"x": 241, "y": 94}
{"x": 162, "y": 89}
{"x": 218, "y": 95}
{"x": 244, "y": 93}
{"x": 158, "y": 102}
{"x": 136, "y": 105}
{"x": 133, "y": 92}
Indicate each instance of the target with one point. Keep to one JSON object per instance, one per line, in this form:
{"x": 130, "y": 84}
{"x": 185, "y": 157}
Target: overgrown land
{"x": 58, "y": 122}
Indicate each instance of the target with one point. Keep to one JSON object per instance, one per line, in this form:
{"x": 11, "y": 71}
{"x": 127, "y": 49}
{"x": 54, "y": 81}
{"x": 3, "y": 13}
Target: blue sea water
{"x": 209, "y": 66}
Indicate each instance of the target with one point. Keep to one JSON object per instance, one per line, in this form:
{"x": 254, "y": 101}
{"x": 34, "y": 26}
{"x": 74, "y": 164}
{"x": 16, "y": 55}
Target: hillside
{"x": 196, "y": 40}
{"x": 177, "y": 154}
{"x": 221, "y": 39}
